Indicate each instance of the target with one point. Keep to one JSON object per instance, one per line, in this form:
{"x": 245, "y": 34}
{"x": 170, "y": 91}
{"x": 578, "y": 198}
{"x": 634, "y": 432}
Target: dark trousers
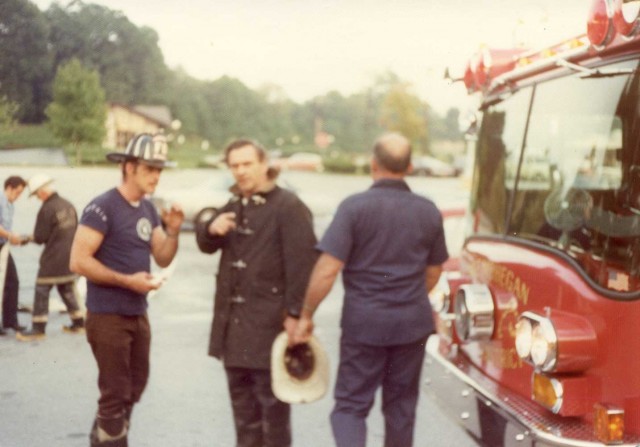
{"x": 120, "y": 345}
{"x": 261, "y": 420}
{"x": 67, "y": 292}
{"x": 364, "y": 368}
{"x": 10, "y": 295}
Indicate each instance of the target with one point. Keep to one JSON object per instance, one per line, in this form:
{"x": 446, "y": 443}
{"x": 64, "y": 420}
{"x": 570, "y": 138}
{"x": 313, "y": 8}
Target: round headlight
{"x": 543, "y": 346}
{"x": 474, "y": 312}
{"x": 524, "y": 337}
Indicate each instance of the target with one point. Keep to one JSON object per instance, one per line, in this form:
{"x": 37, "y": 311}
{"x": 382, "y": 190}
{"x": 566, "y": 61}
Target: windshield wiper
{"x": 590, "y": 73}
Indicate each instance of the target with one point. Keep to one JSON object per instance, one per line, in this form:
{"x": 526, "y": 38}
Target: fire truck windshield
{"x": 558, "y": 163}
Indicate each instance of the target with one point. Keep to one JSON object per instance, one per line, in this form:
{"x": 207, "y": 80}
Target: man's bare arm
{"x": 323, "y": 276}
{"x": 432, "y": 275}
{"x": 86, "y": 243}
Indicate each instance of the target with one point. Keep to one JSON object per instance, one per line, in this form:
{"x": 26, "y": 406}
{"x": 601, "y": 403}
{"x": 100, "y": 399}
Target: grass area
{"x": 21, "y": 136}
{"x": 189, "y": 154}
{"x": 186, "y": 156}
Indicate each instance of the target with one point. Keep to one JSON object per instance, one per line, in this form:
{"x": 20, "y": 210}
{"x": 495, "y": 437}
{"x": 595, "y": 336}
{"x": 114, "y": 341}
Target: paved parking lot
{"x": 48, "y": 389}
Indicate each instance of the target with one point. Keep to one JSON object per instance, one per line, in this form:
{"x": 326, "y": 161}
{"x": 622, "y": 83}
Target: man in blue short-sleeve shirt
{"x": 128, "y": 226}
{"x": 13, "y": 187}
{"x": 119, "y": 231}
{"x": 389, "y": 244}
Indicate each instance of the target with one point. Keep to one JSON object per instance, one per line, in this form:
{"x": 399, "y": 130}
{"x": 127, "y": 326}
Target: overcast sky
{"x": 309, "y": 47}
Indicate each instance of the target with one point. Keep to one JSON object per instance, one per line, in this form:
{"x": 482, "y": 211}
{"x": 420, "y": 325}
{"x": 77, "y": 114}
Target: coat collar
{"x": 391, "y": 184}
{"x": 259, "y": 197}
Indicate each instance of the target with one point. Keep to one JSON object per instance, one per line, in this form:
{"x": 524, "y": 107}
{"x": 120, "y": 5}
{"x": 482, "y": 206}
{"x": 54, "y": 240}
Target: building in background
{"x": 124, "y": 121}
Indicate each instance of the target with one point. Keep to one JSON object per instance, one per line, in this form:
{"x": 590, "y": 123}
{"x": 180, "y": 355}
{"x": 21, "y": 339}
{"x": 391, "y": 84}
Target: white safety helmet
{"x": 38, "y": 181}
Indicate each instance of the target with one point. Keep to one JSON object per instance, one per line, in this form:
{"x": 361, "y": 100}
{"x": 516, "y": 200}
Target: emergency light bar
{"x": 626, "y": 15}
{"x": 600, "y": 28}
{"x": 608, "y": 17}
{"x": 608, "y": 21}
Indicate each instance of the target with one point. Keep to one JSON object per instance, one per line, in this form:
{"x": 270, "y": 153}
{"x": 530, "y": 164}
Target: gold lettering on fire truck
{"x": 500, "y": 276}
{"x": 503, "y": 358}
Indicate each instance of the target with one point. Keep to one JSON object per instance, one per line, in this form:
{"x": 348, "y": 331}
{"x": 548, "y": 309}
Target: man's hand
{"x": 173, "y": 218}
{"x": 25, "y": 239}
{"x": 222, "y": 224}
{"x": 290, "y": 324}
{"x": 302, "y": 332}
{"x": 142, "y": 282}
{"x": 14, "y": 239}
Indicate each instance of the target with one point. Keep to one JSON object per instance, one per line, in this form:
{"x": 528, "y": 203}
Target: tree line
{"x": 130, "y": 66}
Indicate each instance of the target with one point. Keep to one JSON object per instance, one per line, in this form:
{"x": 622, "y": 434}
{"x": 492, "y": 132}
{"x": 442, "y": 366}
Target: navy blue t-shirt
{"x": 386, "y": 236}
{"x": 126, "y": 248}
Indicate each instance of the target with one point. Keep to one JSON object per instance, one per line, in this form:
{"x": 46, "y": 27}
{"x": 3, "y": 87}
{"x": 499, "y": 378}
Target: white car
{"x": 300, "y": 161}
{"x": 431, "y": 166}
{"x": 199, "y": 200}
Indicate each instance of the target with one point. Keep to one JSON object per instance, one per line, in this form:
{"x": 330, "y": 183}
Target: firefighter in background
{"x": 13, "y": 187}
{"x": 55, "y": 227}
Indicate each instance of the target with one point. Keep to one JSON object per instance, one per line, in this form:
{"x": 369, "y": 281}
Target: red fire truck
{"x": 538, "y": 338}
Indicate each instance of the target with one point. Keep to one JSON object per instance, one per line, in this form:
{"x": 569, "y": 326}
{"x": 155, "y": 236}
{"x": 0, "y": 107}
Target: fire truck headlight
{"x": 557, "y": 342}
{"x": 544, "y": 343}
{"x": 524, "y": 336}
{"x": 474, "y": 310}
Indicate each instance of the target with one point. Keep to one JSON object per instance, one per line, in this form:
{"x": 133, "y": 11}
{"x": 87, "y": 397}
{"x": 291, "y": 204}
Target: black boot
{"x": 77, "y": 326}
{"x": 34, "y": 334}
{"x": 95, "y": 441}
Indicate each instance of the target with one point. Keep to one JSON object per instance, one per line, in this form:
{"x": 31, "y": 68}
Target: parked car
{"x": 431, "y": 166}
{"x": 300, "y": 161}
{"x": 197, "y": 201}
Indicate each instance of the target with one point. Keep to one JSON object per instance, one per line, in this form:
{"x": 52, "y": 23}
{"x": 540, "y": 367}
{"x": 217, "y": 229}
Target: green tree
{"x": 402, "y": 111}
{"x": 128, "y": 58}
{"x": 452, "y": 123}
{"x": 25, "y": 64}
{"x": 8, "y": 112}
{"x": 352, "y": 120}
{"x": 77, "y": 114}
{"x": 279, "y": 110}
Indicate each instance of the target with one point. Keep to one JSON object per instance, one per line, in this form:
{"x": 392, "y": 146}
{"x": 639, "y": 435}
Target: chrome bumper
{"x": 496, "y": 416}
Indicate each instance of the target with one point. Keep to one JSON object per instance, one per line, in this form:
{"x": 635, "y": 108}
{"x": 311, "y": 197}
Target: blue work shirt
{"x": 6, "y": 215}
{"x": 386, "y": 236}
{"x": 126, "y": 248}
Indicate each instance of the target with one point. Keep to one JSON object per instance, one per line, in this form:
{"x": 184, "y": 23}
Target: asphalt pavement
{"x": 48, "y": 389}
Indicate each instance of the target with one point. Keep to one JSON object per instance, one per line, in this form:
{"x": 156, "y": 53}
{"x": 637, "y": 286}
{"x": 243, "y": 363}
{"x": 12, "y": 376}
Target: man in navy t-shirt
{"x": 389, "y": 244}
{"x": 119, "y": 231}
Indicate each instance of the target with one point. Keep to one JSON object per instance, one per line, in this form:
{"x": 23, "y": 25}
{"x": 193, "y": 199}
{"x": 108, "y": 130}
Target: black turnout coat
{"x": 263, "y": 273}
{"x": 55, "y": 228}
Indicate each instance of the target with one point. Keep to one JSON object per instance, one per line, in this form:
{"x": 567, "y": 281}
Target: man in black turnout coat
{"x": 267, "y": 241}
{"x": 55, "y": 227}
